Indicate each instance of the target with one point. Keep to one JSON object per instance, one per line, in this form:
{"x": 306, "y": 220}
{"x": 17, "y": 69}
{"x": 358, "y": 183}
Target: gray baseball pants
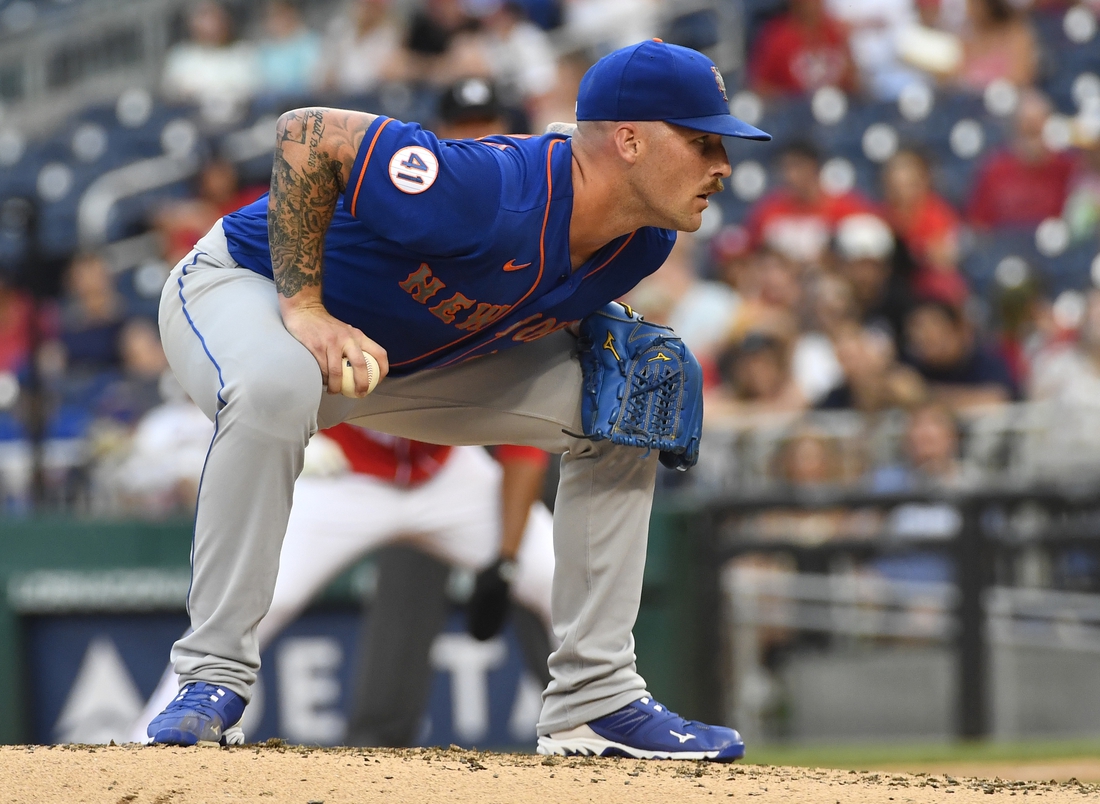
{"x": 226, "y": 343}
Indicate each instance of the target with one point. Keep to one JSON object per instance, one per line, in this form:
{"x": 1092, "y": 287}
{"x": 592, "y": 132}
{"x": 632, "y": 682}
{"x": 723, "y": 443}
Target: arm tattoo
{"x": 314, "y": 153}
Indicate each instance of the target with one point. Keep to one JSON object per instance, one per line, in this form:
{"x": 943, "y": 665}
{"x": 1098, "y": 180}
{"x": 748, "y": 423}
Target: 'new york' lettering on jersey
{"x": 425, "y": 247}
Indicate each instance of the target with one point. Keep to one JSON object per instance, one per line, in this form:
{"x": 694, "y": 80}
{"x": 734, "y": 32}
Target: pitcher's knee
{"x": 282, "y": 403}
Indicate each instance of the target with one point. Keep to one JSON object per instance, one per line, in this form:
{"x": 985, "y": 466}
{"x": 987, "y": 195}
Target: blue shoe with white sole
{"x": 646, "y": 729}
{"x": 200, "y": 713}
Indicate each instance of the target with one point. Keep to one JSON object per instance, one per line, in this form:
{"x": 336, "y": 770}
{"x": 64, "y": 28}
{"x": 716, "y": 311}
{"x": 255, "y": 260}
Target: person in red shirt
{"x": 926, "y": 224}
{"x": 217, "y": 192}
{"x": 800, "y": 51}
{"x": 1025, "y": 183}
{"x": 799, "y": 218}
{"x": 22, "y": 324}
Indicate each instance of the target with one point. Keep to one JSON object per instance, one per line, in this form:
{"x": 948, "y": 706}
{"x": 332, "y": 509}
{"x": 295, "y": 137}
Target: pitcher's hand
{"x": 330, "y": 340}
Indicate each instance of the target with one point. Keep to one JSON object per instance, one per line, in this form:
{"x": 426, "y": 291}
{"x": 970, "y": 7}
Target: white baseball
{"x": 347, "y": 381}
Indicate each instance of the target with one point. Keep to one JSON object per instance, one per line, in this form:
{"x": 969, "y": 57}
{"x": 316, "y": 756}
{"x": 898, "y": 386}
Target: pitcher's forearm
{"x": 304, "y": 189}
{"x": 315, "y": 149}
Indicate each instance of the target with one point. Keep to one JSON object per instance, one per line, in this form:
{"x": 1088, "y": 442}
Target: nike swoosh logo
{"x": 511, "y": 265}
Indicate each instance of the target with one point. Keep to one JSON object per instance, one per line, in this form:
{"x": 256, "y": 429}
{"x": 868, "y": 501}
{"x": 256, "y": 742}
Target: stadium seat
{"x": 845, "y": 137}
{"x": 11, "y": 429}
{"x": 787, "y": 119}
{"x": 695, "y": 29}
{"x": 1070, "y": 270}
{"x": 130, "y": 216}
{"x": 69, "y": 421}
{"x": 138, "y": 300}
{"x": 57, "y": 216}
{"x": 953, "y": 177}
{"x": 979, "y": 263}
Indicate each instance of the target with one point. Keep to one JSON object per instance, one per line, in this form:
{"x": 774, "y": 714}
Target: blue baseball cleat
{"x": 645, "y": 729}
{"x": 200, "y": 713}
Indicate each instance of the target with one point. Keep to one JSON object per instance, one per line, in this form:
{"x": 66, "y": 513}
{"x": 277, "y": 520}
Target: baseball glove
{"x": 488, "y": 606}
{"x": 642, "y": 387}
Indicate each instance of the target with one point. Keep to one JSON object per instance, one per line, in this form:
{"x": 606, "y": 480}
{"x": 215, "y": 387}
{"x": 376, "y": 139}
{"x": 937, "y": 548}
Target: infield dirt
{"x": 270, "y": 774}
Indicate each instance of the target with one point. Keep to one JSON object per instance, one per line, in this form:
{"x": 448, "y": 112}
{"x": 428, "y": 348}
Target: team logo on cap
{"x": 720, "y": 82}
{"x": 413, "y": 169}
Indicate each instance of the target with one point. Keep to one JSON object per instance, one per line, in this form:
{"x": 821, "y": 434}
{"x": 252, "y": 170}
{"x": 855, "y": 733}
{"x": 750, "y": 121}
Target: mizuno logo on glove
{"x": 609, "y": 344}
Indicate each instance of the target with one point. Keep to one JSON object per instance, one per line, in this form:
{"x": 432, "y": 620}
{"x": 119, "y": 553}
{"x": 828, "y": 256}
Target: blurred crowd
{"x": 842, "y": 276}
{"x": 365, "y": 45}
{"x": 860, "y": 279}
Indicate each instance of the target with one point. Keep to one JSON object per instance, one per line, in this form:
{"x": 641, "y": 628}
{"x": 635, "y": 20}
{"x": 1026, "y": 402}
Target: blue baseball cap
{"x": 654, "y": 80}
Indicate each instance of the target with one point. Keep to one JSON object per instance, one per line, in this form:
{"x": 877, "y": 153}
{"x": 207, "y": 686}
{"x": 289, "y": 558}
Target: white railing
{"x": 866, "y": 605}
{"x": 1013, "y": 442}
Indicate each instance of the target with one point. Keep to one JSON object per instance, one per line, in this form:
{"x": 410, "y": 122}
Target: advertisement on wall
{"x": 88, "y": 677}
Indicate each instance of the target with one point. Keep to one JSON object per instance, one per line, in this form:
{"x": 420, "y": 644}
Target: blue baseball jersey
{"x": 445, "y": 250}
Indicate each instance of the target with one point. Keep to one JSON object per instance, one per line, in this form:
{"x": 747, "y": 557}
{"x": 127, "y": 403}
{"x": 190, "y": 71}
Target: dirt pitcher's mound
{"x": 270, "y": 774}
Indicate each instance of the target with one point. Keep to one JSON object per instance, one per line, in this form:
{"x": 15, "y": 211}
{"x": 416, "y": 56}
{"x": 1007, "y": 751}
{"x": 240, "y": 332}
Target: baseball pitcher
{"x": 461, "y": 267}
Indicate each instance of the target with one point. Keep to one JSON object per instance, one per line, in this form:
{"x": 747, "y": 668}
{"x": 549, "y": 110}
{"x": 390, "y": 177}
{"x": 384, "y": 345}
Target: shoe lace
{"x": 193, "y": 699}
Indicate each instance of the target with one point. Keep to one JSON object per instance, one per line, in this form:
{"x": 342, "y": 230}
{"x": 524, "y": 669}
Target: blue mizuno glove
{"x": 642, "y": 386}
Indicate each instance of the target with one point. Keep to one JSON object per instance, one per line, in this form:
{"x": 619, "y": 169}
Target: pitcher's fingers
{"x": 354, "y": 355}
{"x": 377, "y": 352}
{"x": 335, "y": 369}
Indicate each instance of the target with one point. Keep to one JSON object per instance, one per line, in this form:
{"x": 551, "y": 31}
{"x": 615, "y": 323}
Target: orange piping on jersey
{"x": 545, "y": 220}
{"x": 366, "y": 161}
{"x": 612, "y": 257}
{"x": 542, "y": 267}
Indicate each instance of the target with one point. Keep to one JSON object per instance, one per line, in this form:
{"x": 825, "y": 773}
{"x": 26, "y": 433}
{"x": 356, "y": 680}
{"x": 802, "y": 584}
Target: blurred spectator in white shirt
{"x": 520, "y": 56}
{"x": 831, "y": 306}
{"x": 289, "y": 52}
{"x": 606, "y": 25}
{"x": 363, "y": 48}
{"x": 212, "y": 64}
{"x": 158, "y": 475}
{"x": 874, "y": 27}
{"x": 1082, "y": 209}
{"x": 1070, "y": 373}
{"x": 775, "y": 297}
{"x": 699, "y": 311}
{"x": 865, "y": 246}
{"x": 1065, "y": 380}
